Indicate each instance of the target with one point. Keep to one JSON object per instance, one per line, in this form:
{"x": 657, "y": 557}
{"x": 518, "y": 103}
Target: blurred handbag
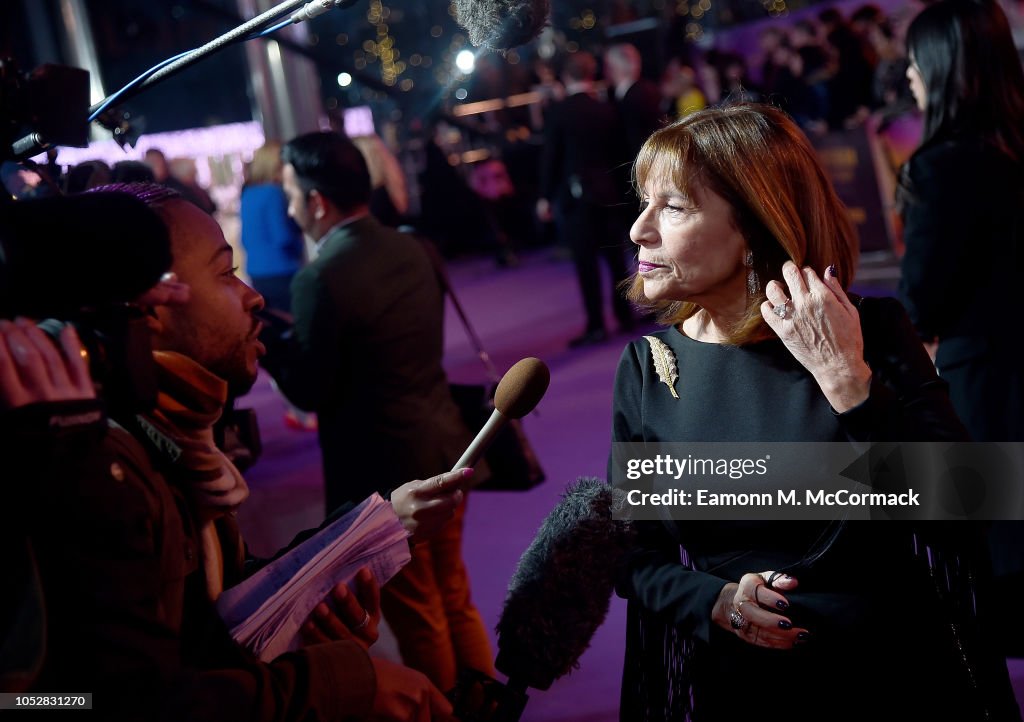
{"x": 512, "y": 461}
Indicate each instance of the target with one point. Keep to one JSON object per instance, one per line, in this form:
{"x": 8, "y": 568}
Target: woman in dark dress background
{"x": 962, "y": 198}
{"x": 389, "y": 198}
{"x": 746, "y": 252}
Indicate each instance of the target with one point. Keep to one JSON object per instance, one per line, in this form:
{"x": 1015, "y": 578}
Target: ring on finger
{"x": 737, "y": 620}
{"x": 366, "y": 620}
{"x": 781, "y": 310}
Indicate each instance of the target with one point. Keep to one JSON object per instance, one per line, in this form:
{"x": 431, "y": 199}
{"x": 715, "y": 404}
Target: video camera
{"x": 83, "y": 260}
{"x": 48, "y": 106}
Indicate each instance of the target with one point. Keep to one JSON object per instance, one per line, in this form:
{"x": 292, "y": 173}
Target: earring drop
{"x": 753, "y": 282}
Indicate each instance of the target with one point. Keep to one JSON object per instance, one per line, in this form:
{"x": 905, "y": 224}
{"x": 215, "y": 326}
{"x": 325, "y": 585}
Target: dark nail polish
{"x": 831, "y": 270}
{"x": 782, "y": 605}
{"x": 803, "y": 636}
{"x": 783, "y": 624}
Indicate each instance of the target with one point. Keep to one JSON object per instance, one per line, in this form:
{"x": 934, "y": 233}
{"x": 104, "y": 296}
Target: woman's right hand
{"x": 754, "y": 611}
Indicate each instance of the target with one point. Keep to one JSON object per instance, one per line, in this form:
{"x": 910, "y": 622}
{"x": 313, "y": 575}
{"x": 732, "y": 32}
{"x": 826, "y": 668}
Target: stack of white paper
{"x": 266, "y": 611}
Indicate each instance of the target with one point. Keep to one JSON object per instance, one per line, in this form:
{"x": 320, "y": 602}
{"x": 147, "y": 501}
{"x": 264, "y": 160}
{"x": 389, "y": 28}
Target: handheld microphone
{"x": 562, "y": 586}
{"x": 502, "y": 24}
{"x": 518, "y": 392}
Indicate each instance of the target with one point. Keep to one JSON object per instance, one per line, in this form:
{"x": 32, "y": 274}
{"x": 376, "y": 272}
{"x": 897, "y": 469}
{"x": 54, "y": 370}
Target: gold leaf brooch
{"x": 664, "y": 363}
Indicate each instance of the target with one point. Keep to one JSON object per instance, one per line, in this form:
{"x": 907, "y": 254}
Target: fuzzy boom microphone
{"x": 561, "y": 589}
{"x": 502, "y": 24}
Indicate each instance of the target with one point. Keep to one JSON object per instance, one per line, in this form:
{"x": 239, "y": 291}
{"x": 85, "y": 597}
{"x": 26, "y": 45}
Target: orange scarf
{"x": 189, "y": 402}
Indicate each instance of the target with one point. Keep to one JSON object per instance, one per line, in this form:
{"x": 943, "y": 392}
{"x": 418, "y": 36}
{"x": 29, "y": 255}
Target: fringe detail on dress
{"x": 956, "y": 594}
{"x": 656, "y": 679}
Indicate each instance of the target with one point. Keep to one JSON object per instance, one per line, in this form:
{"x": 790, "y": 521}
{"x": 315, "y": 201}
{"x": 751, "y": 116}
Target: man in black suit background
{"x": 577, "y": 177}
{"x": 365, "y": 354}
{"x": 637, "y": 99}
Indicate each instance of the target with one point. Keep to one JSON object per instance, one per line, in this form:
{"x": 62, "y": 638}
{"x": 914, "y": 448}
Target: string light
{"x": 465, "y": 61}
{"x": 384, "y": 46}
{"x": 398, "y": 70}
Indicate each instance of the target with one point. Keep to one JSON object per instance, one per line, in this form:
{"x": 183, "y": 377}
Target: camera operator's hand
{"x": 33, "y": 370}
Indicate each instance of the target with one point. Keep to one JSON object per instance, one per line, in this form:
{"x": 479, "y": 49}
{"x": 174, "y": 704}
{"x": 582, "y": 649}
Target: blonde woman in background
{"x": 274, "y": 248}
{"x": 389, "y": 199}
{"x": 273, "y": 243}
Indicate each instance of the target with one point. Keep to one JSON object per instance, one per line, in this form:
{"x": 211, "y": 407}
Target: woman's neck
{"x": 709, "y": 326}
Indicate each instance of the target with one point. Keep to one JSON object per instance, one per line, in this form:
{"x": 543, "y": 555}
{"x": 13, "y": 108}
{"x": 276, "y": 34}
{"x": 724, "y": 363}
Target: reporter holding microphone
{"x": 121, "y": 577}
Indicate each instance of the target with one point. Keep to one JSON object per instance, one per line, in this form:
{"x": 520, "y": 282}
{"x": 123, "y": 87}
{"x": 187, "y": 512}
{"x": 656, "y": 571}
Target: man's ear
{"x": 318, "y": 204}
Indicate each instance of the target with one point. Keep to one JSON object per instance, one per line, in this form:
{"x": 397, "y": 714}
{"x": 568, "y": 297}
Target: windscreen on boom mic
{"x": 502, "y": 24}
{"x": 58, "y": 255}
{"x": 561, "y": 589}
{"x": 518, "y": 392}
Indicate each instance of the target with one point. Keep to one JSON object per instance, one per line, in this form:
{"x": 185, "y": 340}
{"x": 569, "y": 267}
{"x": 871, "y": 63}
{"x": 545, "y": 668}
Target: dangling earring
{"x": 753, "y": 282}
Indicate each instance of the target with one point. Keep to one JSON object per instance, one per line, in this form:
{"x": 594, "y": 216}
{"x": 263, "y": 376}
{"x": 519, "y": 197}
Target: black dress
{"x": 882, "y": 643}
{"x": 963, "y": 214}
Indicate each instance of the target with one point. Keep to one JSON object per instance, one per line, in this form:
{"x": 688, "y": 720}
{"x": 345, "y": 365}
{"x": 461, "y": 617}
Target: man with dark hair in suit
{"x": 577, "y": 176}
{"x": 365, "y": 354}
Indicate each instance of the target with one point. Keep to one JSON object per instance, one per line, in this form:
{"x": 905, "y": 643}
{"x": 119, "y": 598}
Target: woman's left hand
{"x": 821, "y": 328}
